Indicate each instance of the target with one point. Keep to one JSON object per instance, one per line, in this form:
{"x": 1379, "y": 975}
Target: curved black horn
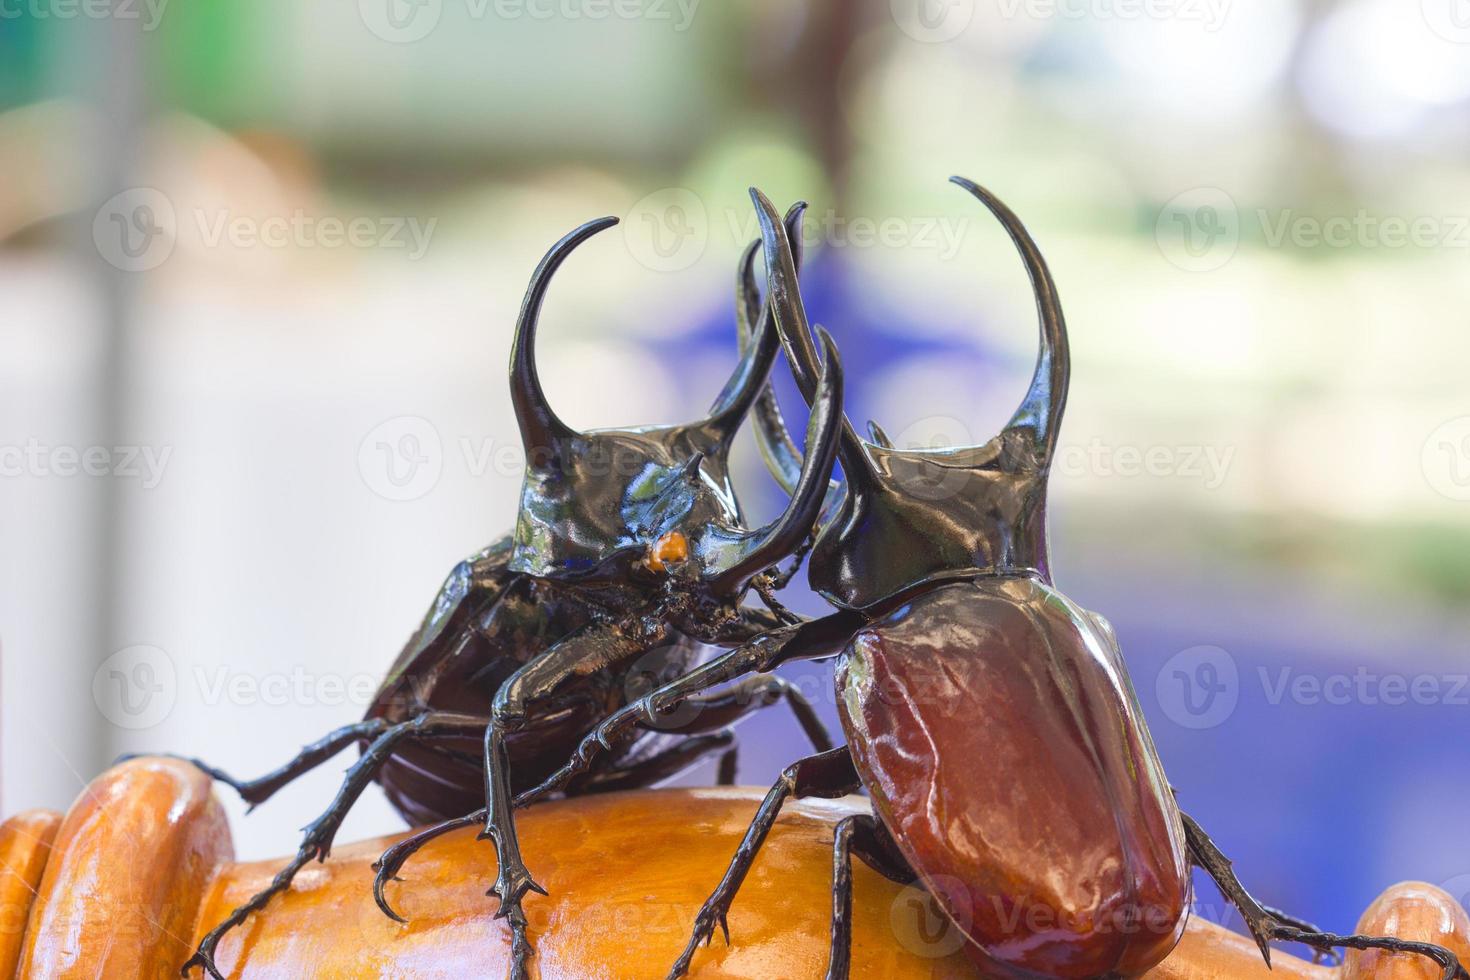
{"x": 758, "y": 346}
{"x": 1046, "y": 399}
{"x": 783, "y": 299}
{"x": 773, "y": 437}
{"x": 541, "y": 429}
{"x": 784, "y": 535}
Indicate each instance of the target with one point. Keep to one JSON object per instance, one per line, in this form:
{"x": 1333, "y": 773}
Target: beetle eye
{"x": 671, "y": 547}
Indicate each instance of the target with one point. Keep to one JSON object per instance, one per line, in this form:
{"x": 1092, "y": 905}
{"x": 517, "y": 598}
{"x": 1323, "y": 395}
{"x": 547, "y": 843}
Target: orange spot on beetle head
{"x": 671, "y": 547}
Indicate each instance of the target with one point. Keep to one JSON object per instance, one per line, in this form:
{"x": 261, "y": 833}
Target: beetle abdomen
{"x": 995, "y": 726}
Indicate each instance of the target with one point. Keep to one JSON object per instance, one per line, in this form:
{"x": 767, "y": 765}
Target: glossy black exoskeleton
{"x": 990, "y": 719}
{"x": 630, "y": 549}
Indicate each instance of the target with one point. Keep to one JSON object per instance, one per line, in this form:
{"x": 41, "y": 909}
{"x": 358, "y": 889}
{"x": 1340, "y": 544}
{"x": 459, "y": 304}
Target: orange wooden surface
{"x": 142, "y": 865}
{"x": 25, "y": 846}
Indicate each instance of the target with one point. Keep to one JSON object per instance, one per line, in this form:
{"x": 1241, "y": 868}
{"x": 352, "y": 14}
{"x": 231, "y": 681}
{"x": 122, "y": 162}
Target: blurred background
{"x": 259, "y": 266}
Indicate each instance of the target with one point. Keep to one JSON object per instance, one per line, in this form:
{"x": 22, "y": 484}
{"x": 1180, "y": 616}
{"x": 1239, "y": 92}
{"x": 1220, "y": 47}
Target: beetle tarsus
{"x": 827, "y": 774}
{"x": 1267, "y": 925}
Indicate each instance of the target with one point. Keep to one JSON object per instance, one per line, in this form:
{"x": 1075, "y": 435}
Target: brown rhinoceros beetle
{"x": 629, "y": 545}
{"x": 990, "y": 719}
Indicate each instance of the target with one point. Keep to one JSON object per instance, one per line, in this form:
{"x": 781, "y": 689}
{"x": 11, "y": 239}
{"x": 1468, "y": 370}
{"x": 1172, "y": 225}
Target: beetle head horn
{"x": 753, "y": 552}
{"x": 542, "y": 431}
{"x": 758, "y": 346}
{"x": 914, "y": 515}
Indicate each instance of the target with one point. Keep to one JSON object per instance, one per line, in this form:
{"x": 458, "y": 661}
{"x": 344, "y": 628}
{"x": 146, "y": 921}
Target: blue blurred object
{"x": 1240, "y": 681}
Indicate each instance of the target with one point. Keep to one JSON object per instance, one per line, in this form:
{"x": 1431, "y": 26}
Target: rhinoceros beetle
{"x": 629, "y": 545}
{"x": 990, "y": 719}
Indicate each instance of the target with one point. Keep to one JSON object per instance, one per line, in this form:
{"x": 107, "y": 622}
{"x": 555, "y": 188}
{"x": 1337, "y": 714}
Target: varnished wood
{"x": 142, "y": 866}
{"x": 25, "y": 847}
{"x": 128, "y": 869}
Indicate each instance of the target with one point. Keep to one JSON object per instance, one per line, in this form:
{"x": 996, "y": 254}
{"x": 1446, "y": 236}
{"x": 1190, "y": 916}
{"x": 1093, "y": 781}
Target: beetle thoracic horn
{"x": 1046, "y": 399}
{"x": 783, "y": 535}
{"x": 541, "y": 430}
{"x": 758, "y": 346}
{"x": 773, "y": 438}
{"x": 1040, "y": 410}
{"x": 784, "y": 301}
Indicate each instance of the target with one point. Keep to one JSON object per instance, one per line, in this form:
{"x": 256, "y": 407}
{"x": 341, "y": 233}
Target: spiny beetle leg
{"x": 257, "y": 791}
{"x": 317, "y": 842}
{"x": 1266, "y": 925}
{"x": 864, "y": 834}
{"x": 760, "y": 654}
{"x": 595, "y": 647}
{"x": 644, "y": 772}
{"x": 829, "y": 774}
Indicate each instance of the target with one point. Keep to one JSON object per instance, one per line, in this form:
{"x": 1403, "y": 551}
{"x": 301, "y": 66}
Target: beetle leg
{"x": 321, "y": 831}
{"x": 1266, "y": 925}
{"x": 644, "y": 772}
{"x": 829, "y": 774}
{"x": 808, "y": 640}
{"x": 589, "y": 650}
{"x": 257, "y": 791}
{"x": 661, "y": 765}
{"x": 863, "y": 833}
{"x": 744, "y": 697}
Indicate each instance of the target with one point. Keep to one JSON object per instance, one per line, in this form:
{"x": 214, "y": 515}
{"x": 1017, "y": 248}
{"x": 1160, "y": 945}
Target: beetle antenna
{"x": 541, "y": 430}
